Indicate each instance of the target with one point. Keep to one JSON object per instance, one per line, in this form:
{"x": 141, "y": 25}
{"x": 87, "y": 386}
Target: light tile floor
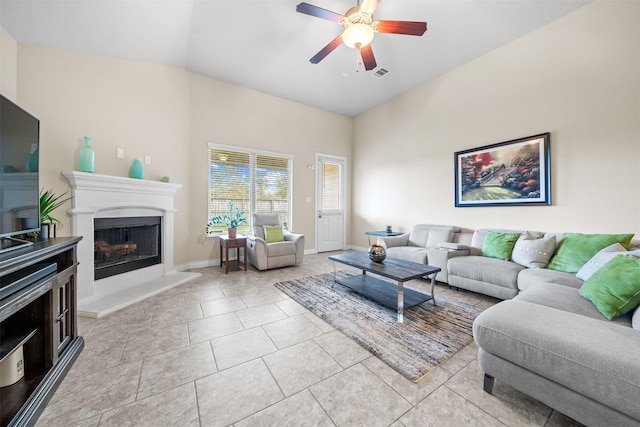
{"x": 233, "y": 350}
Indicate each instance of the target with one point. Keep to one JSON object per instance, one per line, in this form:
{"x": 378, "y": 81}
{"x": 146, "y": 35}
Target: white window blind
{"x": 253, "y": 181}
{"x": 331, "y": 187}
{"x": 272, "y": 185}
{"x": 229, "y": 182}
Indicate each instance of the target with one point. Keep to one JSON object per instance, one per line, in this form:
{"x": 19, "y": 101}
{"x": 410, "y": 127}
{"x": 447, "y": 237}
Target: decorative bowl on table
{"x": 377, "y": 253}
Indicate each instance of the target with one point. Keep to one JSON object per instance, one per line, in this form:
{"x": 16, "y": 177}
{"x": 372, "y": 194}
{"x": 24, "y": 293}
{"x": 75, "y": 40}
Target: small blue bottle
{"x": 87, "y": 156}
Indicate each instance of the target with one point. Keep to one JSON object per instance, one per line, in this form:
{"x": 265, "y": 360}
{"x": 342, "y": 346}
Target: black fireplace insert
{"x": 126, "y": 244}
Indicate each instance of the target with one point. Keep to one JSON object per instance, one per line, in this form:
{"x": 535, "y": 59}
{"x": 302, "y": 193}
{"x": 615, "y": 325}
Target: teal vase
{"x": 87, "y": 156}
{"x": 136, "y": 170}
{"x": 32, "y": 161}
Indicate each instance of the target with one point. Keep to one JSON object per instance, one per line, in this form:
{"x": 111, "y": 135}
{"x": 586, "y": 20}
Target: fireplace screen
{"x": 125, "y": 244}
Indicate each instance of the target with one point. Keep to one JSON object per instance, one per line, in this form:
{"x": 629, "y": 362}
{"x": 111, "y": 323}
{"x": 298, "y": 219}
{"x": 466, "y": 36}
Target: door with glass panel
{"x": 330, "y": 172}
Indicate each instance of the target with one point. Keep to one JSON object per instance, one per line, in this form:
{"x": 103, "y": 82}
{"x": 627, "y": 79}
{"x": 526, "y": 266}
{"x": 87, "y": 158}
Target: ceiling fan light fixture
{"x": 357, "y": 35}
{"x": 359, "y": 28}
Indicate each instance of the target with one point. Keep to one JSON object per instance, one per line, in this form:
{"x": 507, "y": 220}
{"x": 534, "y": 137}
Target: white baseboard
{"x": 203, "y": 263}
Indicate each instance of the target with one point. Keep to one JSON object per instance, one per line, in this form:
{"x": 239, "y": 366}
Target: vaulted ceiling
{"x": 265, "y": 45}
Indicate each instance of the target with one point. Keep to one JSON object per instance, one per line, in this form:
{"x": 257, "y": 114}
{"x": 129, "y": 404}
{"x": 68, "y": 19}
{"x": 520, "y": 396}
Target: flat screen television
{"x": 19, "y": 187}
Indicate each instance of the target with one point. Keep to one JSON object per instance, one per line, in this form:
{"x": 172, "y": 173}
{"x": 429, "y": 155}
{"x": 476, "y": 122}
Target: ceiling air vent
{"x": 380, "y": 73}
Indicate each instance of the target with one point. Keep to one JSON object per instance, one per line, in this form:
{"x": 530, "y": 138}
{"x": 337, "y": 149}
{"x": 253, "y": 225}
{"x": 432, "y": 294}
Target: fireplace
{"x": 125, "y": 244}
{"x": 105, "y": 200}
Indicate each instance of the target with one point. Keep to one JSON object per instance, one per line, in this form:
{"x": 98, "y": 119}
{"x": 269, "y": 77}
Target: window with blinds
{"x": 253, "y": 181}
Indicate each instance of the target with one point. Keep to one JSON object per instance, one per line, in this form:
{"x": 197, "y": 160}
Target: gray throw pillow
{"x": 635, "y": 320}
{"x": 532, "y": 252}
{"x": 601, "y": 258}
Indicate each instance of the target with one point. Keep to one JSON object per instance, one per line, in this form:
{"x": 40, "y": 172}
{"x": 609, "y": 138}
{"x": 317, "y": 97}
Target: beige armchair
{"x": 265, "y": 256}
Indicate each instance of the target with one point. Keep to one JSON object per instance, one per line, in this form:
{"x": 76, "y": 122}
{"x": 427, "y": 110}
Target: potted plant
{"x": 232, "y": 220}
{"x": 49, "y": 202}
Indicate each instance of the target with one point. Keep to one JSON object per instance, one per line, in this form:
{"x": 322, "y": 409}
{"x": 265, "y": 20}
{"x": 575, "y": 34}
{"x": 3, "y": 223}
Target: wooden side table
{"x": 225, "y": 244}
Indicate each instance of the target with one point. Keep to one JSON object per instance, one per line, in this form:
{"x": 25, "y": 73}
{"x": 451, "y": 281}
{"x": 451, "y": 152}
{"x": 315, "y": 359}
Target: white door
{"x": 330, "y": 202}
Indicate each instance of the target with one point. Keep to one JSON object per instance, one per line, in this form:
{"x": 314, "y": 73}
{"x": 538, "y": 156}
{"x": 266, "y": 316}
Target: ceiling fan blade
{"x": 367, "y": 57}
{"x": 319, "y": 12}
{"x": 411, "y": 28}
{"x": 326, "y": 50}
{"x": 369, "y": 6}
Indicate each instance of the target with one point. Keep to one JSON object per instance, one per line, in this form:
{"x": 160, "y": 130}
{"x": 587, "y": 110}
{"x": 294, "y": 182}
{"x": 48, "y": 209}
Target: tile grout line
{"x": 412, "y": 406}
{"x": 232, "y": 289}
{"x": 473, "y": 404}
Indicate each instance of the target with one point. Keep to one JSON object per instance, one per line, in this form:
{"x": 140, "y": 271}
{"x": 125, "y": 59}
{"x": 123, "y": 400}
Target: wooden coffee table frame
{"x": 383, "y": 291}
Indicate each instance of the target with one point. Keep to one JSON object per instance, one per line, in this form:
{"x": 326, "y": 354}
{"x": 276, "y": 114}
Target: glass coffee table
{"x": 382, "y": 291}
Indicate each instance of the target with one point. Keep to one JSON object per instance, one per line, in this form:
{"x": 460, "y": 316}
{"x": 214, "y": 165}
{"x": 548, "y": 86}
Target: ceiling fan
{"x": 359, "y": 28}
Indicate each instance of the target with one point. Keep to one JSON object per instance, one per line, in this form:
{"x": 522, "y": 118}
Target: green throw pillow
{"x": 615, "y": 288}
{"x": 273, "y": 233}
{"x": 499, "y": 245}
{"x": 575, "y": 249}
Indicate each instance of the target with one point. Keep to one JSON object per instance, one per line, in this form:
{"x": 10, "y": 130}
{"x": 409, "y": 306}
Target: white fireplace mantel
{"x": 104, "y": 196}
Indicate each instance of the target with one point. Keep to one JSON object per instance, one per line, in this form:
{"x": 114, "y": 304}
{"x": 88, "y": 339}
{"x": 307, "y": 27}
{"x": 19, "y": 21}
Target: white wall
{"x": 140, "y": 107}
{"x": 229, "y": 114}
{"x": 578, "y": 77}
{"x": 8, "y": 65}
{"x": 171, "y": 115}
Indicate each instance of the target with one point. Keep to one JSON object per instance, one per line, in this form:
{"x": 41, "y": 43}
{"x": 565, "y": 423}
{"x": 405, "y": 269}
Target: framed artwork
{"x": 508, "y": 173}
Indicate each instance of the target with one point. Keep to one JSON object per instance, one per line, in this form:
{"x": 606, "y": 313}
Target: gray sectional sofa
{"x": 500, "y": 278}
{"x": 548, "y": 341}
{"x": 554, "y": 345}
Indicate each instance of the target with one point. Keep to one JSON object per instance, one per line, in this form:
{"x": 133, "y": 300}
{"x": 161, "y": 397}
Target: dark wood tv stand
{"x": 41, "y": 314}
